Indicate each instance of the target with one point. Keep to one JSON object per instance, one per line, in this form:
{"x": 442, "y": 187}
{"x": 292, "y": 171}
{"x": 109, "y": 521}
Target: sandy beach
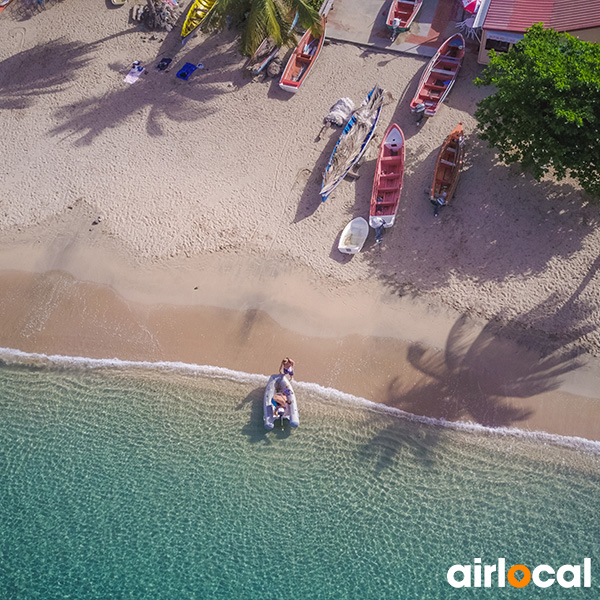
{"x": 173, "y": 220}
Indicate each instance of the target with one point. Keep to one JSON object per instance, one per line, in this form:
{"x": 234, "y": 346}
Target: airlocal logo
{"x": 543, "y": 576}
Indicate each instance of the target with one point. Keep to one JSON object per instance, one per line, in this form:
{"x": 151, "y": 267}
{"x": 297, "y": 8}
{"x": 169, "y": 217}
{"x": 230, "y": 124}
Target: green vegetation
{"x": 545, "y": 113}
{"x": 261, "y": 18}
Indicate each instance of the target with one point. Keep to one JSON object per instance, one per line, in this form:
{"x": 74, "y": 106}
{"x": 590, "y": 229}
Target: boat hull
{"x": 291, "y": 409}
{"x": 328, "y": 186}
{"x": 448, "y": 166}
{"x": 196, "y": 14}
{"x": 302, "y": 60}
{"x": 405, "y": 11}
{"x": 389, "y": 175}
{"x": 439, "y": 75}
{"x": 354, "y": 236}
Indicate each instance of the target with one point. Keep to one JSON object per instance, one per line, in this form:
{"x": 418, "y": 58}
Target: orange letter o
{"x": 516, "y": 582}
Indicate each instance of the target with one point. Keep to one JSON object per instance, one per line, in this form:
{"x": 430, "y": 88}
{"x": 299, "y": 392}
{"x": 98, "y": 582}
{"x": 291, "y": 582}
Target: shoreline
{"x": 475, "y": 375}
{"x": 13, "y": 357}
{"x": 173, "y": 220}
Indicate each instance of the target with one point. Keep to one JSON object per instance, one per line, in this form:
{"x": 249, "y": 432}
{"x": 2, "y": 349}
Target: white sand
{"x": 223, "y": 167}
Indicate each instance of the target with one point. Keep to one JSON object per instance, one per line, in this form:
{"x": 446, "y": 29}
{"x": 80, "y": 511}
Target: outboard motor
{"x": 395, "y": 28}
{"x": 379, "y": 231}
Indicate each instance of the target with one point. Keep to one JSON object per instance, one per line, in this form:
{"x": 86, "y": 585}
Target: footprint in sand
{"x": 18, "y": 32}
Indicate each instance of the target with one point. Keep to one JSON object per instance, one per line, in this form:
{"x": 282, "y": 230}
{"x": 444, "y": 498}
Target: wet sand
{"x": 174, "y": 220}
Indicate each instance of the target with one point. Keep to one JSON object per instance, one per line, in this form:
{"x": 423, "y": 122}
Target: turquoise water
{"x": 152, "y": 483}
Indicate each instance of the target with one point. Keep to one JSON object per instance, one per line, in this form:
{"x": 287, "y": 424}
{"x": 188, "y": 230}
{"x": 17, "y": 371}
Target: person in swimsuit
{"x": 287, "y": 367}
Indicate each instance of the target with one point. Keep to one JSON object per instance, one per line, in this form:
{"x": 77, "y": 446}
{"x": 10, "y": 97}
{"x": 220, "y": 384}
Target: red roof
{"x": 562, "y": 15}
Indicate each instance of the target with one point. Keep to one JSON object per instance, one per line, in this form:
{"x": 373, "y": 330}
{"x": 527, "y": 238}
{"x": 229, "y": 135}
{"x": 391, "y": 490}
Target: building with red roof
{"x": 503, "y": 22}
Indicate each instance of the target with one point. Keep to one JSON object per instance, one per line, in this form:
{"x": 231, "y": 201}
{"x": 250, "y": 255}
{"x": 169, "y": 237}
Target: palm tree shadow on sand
{"x": 475, "y": 377}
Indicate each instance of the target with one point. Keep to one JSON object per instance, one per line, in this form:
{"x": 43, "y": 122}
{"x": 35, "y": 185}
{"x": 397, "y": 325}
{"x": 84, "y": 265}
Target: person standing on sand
{"x": 287, "y": 367}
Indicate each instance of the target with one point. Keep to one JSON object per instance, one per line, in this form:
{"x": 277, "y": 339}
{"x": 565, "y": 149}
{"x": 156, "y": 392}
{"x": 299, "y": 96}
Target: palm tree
{"x": 265, "y": 18}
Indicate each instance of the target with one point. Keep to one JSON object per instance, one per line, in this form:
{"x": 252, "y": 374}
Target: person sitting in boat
{"x": 287, "y": 367}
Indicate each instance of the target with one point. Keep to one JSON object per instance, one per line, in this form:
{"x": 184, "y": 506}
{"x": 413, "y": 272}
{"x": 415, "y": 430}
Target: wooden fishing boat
{"x": 447, "y": 168}
{"x": 353, "y": 141}
{"x": 279, "y": 402}
{"x": 4, "y": 4}
{"x": 440, "y": 75}
{"x": 302, "y": 59}
{"x": 196, "y": 14}
{"x": 354, "y": 236}
{"x": 405, "y": 11}
{"x": 389, "y": 173}
{"x": 265, "y": 53}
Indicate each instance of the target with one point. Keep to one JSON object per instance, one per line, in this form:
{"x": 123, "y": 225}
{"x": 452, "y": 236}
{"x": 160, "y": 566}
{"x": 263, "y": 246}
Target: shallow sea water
{"x": 159, "y": 483}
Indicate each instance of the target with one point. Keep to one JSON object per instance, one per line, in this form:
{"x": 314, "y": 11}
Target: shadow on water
{"x": 254, "y": 429}
{"x": 474, "y": 379}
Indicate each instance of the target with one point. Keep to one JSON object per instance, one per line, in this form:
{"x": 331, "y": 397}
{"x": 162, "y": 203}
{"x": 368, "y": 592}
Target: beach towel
{"x": 134, "y": 74}
{"x": 186, "y": 71}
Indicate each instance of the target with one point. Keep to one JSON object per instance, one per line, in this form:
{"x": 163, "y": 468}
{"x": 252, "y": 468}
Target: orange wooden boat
{"x": 389, "y": 173}
{"x": 447, "y": 168}
{"x": 440, "y": 75}
{"x": 4, "y": 4}
{"x": 405, "y": 12}
{"x": 302, "y": 59}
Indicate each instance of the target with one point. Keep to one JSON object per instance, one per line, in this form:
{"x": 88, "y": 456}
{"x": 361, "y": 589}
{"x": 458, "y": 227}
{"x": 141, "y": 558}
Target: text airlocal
{"x": 543, "y": 576}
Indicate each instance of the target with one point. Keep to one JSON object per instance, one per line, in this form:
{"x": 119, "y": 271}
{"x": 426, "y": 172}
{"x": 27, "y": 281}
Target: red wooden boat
{"x": 302, "y": 59}
{"x": 440, "y": 75}
{"x": 447, "y": 168}
{"x": 387, "y": 185}
{"x": 405, "y": 11}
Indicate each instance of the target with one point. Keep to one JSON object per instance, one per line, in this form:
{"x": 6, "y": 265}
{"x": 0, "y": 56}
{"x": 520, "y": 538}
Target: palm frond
{"x": 264, "y": 20}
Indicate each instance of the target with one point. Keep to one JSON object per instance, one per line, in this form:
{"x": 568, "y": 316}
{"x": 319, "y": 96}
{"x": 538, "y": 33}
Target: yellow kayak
{"x": 195, "y": 16}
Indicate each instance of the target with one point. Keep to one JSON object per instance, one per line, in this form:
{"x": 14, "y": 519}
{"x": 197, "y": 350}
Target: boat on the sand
{"x": 279, "y": 402}
{"x": 447, "y": 168}
{"x": 354, "y": 236}
{"x": 439, "y": 76}
{"x": 196, "y": 14}
{"x": 353, "y": 141}
{"x": 389, "y": 174}
{"x": 302, "y": 60}
{"x": 402, "y": 14}
{"x": 265, "y": 53}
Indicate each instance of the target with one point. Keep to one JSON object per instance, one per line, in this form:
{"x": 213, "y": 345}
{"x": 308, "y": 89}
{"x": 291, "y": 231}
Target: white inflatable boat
{"x": 287, "y": 408}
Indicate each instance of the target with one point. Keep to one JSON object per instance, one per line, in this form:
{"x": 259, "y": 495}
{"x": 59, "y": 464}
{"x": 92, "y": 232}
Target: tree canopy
{"x": 545, "y": 113}
{"x": 265, "y": 18}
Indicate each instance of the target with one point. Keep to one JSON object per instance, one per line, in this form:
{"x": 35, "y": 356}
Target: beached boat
{"x": 4, "y": 4}
{"x": 265, "y": 53}
{"x": 402, "y": 14}
{"x": 118, "y": 2}
{"x": 353, "y": 141}
{"x": 440, "y": 75}
{"x": 447, "y": 168}
{"x": 196, "y": 14}
{"x": 354, "y": 236}
{"x": 302, "y": 59}
{"x": 387, "y": 184}
{"x": 284, "y": 406}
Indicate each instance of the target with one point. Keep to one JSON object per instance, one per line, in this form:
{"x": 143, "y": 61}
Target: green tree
{"x": 545, "y": 113}
{"x": 265, "y": 18}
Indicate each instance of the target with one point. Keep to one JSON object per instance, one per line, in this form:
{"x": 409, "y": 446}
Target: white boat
{"x": 354, "y": 236}
{"x": 272, "y": 411}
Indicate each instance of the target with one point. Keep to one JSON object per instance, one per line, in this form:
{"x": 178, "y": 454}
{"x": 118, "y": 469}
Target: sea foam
{"x": 11, "y": 356}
